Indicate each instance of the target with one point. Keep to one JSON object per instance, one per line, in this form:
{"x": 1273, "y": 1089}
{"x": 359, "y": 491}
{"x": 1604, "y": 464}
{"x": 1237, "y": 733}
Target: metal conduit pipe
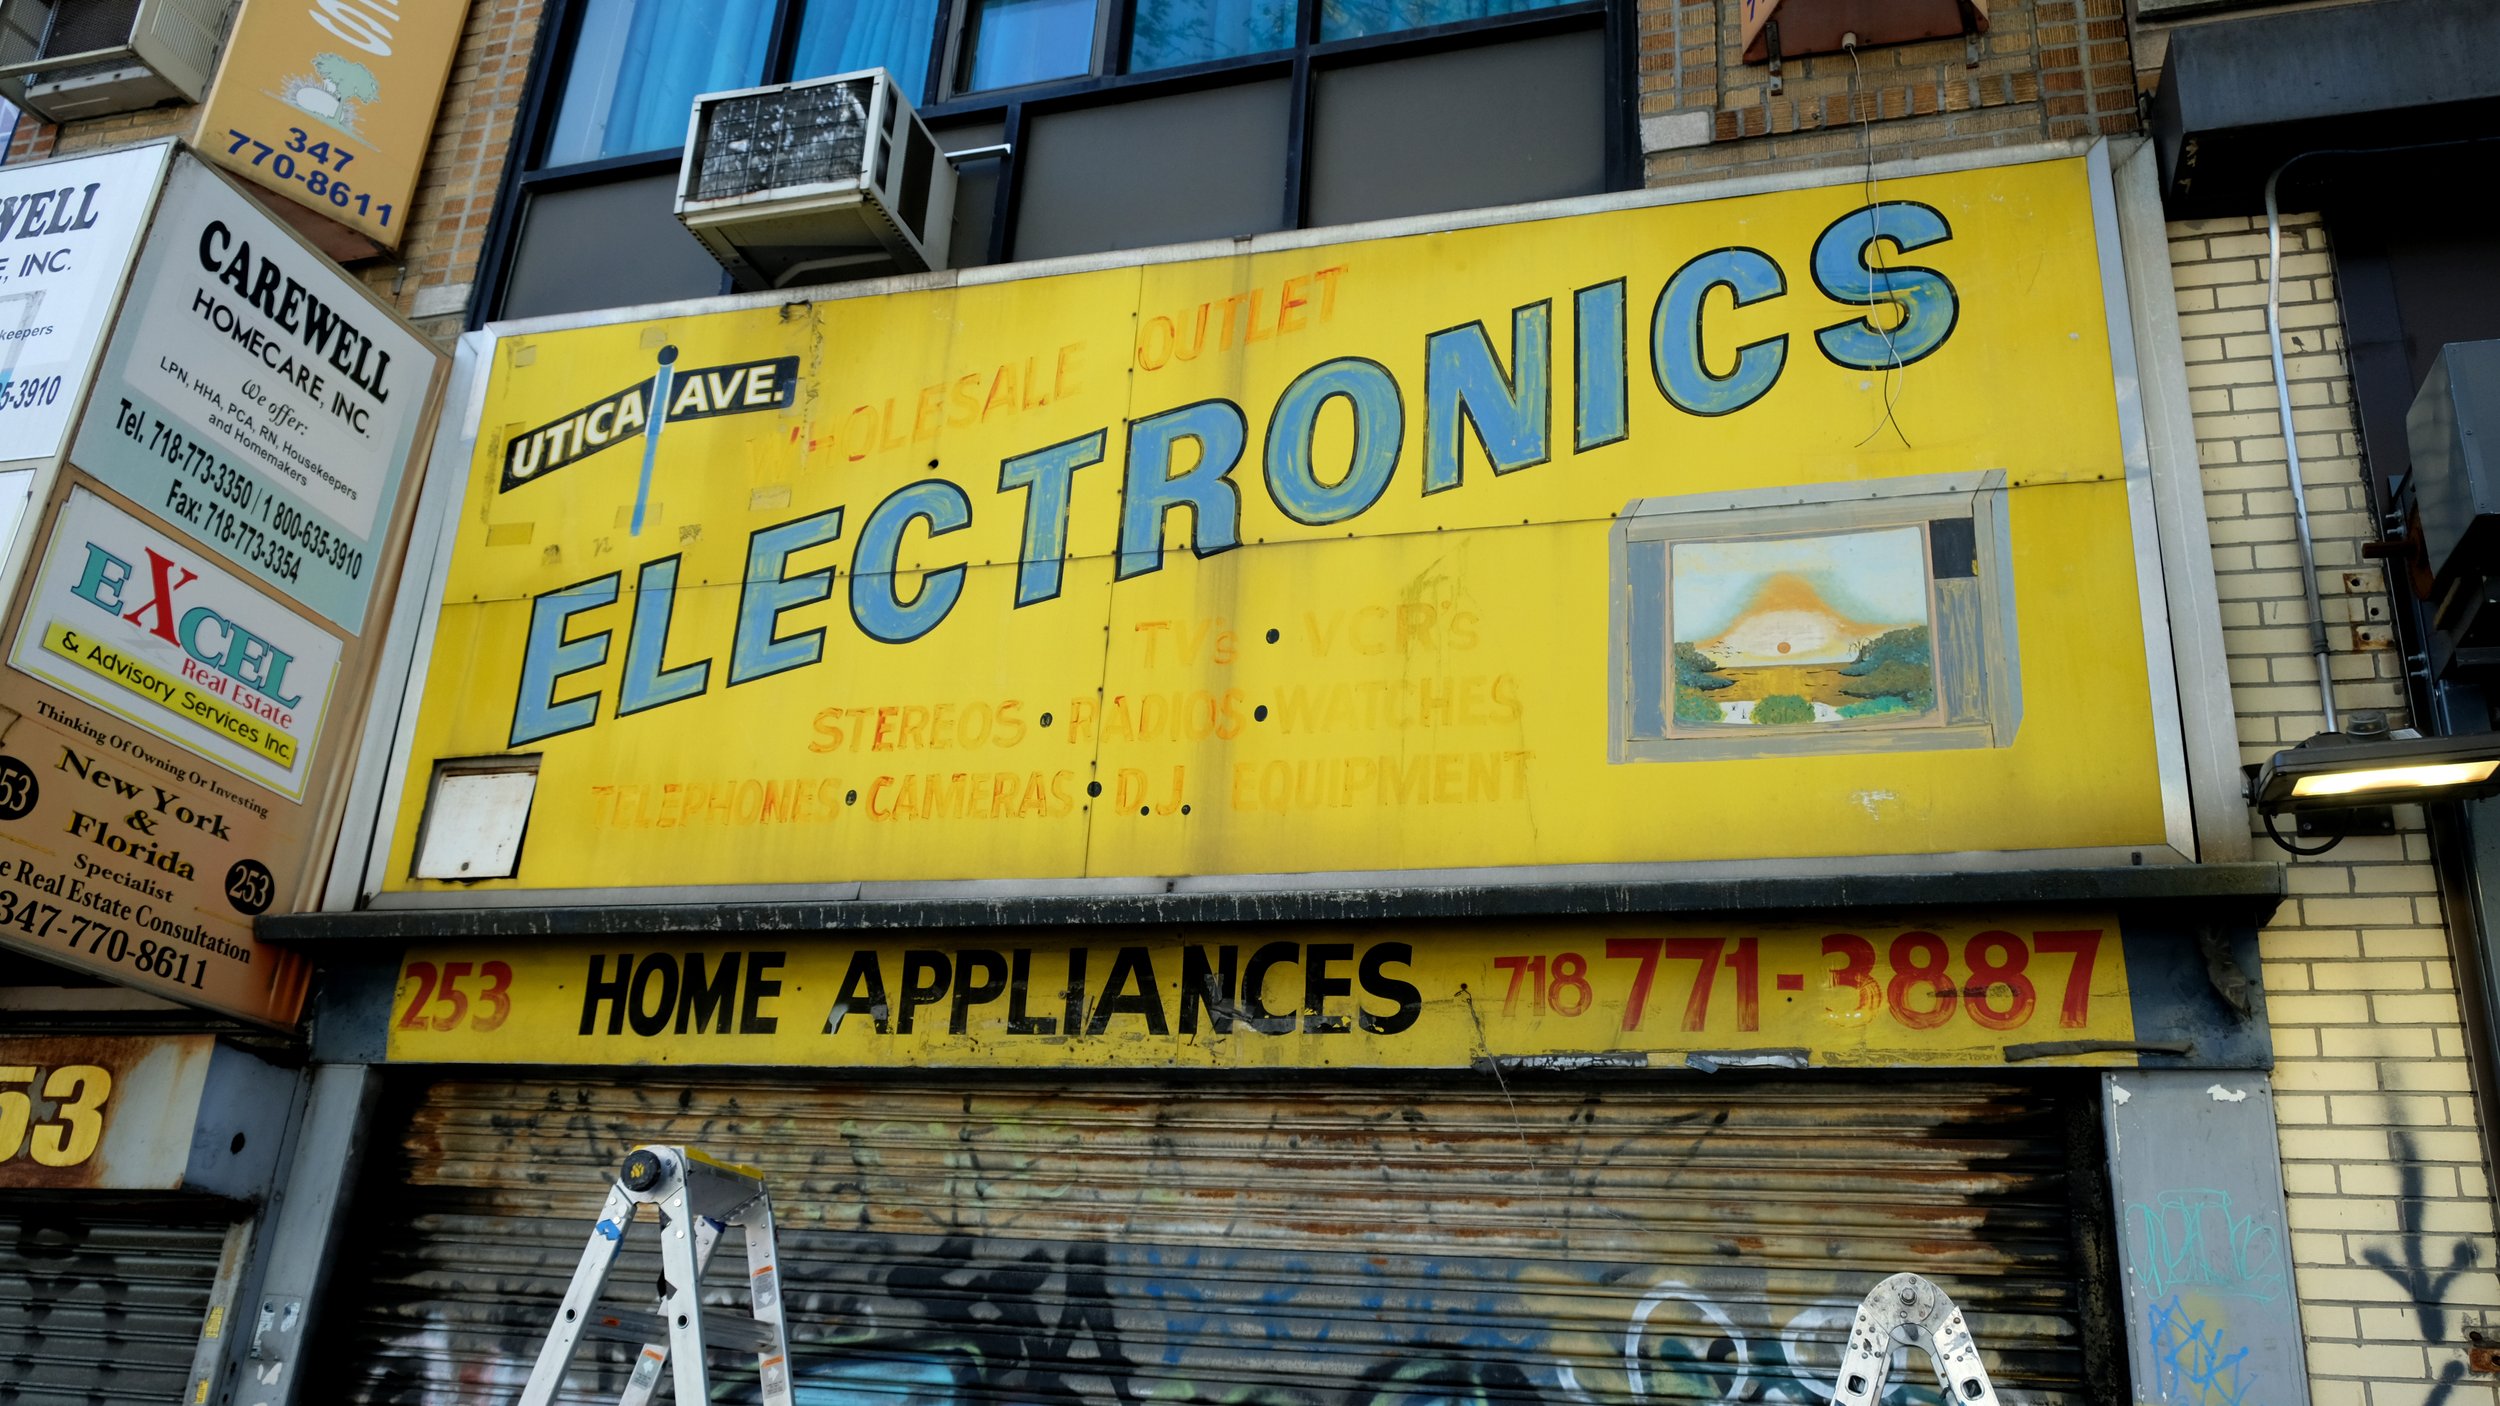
{"x": 2283, "y": 396}
{"x": 2291, "y": 447}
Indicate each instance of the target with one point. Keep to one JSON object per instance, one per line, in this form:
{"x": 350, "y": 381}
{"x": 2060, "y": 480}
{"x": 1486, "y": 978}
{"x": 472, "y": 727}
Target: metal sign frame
{"x": 2195, "y": 743}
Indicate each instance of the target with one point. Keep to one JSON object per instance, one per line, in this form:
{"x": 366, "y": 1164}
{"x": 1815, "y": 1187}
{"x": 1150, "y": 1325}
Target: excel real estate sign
{"x": 186, "y": 646}
{"x": 1793, "y": 526}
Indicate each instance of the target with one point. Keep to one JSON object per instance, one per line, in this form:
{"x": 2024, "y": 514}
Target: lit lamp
{"x": 2361, "y": 771}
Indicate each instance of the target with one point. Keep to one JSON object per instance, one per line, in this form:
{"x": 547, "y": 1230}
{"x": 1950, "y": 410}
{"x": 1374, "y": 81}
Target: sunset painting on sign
{"x": 1831, "y": 629}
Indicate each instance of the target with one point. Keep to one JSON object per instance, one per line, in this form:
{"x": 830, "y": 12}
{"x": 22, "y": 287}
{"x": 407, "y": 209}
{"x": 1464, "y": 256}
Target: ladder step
{"x": 627, "y": 1326}
{"x": 681, "y": 1185}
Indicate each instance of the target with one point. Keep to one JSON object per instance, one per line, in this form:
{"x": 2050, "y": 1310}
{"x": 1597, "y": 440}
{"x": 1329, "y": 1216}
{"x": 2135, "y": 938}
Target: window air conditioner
{"x": 66, "y": 59}
{"x": 813, "y": 182}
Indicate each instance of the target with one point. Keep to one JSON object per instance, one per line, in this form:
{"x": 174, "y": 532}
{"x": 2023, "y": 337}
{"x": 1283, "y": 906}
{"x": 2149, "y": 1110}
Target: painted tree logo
{"x": 333, "y": 93}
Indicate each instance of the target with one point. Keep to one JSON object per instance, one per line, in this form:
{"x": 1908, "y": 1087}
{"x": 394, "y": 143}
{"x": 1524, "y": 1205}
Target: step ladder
{"x": 1908, "y": 1309}
{"x": 698, "y": 1199}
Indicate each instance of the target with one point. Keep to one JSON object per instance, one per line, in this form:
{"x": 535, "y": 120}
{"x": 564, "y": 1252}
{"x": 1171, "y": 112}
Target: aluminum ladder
{"x": 698, "y": 1199}
{"x": 1908, "y": 1309}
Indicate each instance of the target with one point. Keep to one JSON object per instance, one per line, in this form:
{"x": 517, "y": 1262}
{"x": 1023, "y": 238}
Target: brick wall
{"x": 2390, "y": 1214}
{"x": 429, "y": 277}
{"x": 2047, "y": 69}
{"x": 456, "y": 190}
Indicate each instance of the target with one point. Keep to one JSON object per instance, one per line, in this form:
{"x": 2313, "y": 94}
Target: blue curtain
{"x": 838, "y": 36}
{"x": 1352, "y": 19}
{"x": 1027, "y": 41}
{"x": 639, "y": 64}
{"x": 1170, "y": 33}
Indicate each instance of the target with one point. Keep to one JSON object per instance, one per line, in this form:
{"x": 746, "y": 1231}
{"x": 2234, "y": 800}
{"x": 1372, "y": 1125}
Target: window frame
{"x": 1012, "y": 109}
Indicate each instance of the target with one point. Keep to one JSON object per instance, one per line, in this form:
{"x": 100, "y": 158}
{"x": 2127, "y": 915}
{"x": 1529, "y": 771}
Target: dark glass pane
{"x": 639, "y": 64}
{"x": 1026, "y": 41}
{"x": 606, "y": 246}
{"x": 839, "y": 36}
{"x": 1352, "y": 19}
{"x": 1195, "y": 165}
{"x": 1169, "y": 33}
{"x": 1411, "y": 136}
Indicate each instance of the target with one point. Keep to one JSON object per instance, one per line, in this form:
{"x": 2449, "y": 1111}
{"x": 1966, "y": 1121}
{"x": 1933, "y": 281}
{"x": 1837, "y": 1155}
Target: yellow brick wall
{"x": 429, "y": 277}
{"x": 2391, "y": 1225}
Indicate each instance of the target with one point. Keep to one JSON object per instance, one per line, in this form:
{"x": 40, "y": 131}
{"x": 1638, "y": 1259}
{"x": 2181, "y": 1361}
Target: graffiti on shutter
{"x": 992, "y": 1245}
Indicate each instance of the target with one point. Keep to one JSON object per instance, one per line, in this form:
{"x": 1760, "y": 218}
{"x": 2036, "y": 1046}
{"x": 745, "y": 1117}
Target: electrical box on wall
{"x": 66, "y": 59}
{"x": 835, "y": 178}
{"x": 2453, "y": 432}
{"x": 1795, "y": 28}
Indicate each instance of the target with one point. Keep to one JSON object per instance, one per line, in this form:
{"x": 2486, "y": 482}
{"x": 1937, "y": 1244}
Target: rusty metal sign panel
{"x": 132, "y": 1113}
{"x": 100, "y": 1112}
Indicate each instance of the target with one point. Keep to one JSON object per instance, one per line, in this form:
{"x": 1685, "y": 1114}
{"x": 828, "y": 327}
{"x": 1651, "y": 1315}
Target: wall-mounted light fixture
{"x": 2360, "y": 771}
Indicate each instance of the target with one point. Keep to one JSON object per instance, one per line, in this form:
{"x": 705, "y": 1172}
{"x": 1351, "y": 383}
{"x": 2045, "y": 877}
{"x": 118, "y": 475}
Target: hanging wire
{"x": 1897, "y": 375}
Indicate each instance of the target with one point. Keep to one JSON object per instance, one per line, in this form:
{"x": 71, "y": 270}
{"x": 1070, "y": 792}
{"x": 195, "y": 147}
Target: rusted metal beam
{"x": 2236, "y": 893}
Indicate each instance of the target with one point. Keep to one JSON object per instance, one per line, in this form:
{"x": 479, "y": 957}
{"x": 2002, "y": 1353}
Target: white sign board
{"x": 66, "y": 232}
{"x": 151, "y": 631}
{"x": 257, "y": 398}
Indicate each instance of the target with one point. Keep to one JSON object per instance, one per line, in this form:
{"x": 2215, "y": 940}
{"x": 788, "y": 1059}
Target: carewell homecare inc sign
{"x": 1783, "y": 527}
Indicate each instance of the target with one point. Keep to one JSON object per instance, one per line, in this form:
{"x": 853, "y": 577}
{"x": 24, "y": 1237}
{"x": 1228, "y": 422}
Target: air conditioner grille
{"x": 796, "y": 136}
{"x": 85, "y": 27}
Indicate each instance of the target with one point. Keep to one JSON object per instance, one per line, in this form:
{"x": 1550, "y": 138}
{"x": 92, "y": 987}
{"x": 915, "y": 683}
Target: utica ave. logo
{"x": 701, "y": 393}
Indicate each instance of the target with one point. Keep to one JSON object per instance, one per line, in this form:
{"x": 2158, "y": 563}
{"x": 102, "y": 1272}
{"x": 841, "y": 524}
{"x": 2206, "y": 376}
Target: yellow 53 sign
{"x": 72, "y": 1118}
{"x": 124, "y": 1113}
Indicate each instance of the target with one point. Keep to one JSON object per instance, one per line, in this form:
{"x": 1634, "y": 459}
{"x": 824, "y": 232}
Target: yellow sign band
{"x": 140, "y": 677}
{"x": 1984, "y": 990}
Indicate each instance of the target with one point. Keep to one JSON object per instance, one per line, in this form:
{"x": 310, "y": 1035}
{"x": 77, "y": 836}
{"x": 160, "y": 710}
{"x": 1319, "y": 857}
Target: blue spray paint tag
{"x": 609, "y": 1229}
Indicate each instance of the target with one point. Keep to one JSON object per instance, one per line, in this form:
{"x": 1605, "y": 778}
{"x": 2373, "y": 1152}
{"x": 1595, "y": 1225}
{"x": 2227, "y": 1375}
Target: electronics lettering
{"x": 1184, "y": 459}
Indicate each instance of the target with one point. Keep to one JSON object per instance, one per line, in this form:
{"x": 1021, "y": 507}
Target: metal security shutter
{"x": 997, "y": 1243}
{"x": 102, "y": 1306}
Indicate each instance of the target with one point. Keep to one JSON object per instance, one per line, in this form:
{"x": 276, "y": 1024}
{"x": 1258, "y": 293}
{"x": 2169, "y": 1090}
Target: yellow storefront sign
{"x": 1791, "y": 526}
{"x": 128, "y": 671}
{"x": 331, "y": 104}
{"x": 1976, "y": 991}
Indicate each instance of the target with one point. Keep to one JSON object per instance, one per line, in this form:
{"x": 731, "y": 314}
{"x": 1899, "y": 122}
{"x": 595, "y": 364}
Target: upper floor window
{"x": 1171, "y": 33}
{"x": 844, "y": 36}
{"x": 1011, "y": 43}
{"x": 1356, "y": 19}
{"x": 636, "y": 65}
{"x": 1078, "y": 126}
